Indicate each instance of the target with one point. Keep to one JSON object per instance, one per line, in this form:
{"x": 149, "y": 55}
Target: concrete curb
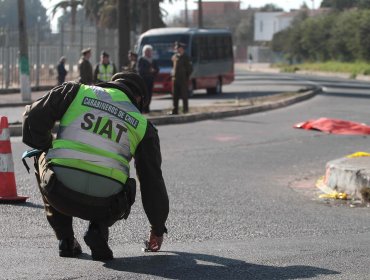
{"x": 350, "y": 176}
{"x": 163, "y": 120}
{"x": 15, "y": 104}
{"x": 16, "y": 129}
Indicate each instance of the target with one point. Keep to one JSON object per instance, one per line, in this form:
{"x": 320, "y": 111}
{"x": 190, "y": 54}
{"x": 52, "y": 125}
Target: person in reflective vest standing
{"x": 85, "y": 171}
{"x": 104, "y": 70}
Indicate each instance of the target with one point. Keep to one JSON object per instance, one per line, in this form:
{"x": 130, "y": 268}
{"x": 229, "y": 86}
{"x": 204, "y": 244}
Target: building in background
{"x": 212, "y": 9}
{"x": 266, "y": 24}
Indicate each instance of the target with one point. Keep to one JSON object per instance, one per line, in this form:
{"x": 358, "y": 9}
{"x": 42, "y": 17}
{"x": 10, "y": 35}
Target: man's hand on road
{"x": 154, "y": 244}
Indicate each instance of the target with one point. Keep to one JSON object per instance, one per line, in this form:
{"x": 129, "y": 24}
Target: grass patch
{"x": 352, "y": 68}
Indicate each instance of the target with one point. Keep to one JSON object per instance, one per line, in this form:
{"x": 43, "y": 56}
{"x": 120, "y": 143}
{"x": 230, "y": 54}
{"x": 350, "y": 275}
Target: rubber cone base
{"x": 13, "y": 199}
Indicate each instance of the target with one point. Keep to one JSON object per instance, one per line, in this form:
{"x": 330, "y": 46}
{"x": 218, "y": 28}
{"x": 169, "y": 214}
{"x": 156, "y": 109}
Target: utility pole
{"x": 186, "y": 14}
{"x": 38, "y": 52}
{"x": 7, "y": 58}
{"x": 200, "y": 14}
{"x": 24, "y": 68}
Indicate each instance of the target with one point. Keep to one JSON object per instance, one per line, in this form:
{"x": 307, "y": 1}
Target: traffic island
{"x": 348, "y": 176}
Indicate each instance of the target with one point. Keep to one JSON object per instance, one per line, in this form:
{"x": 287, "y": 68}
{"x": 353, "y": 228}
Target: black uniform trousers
{"x": 180, "y": 90}
{"x": 62, "y": 203}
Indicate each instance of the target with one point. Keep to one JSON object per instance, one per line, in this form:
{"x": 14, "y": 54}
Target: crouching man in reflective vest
{"x": 85, "y": 172}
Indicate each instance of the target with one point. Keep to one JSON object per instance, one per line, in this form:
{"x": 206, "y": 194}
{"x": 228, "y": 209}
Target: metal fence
{"x": 45, "y": 50}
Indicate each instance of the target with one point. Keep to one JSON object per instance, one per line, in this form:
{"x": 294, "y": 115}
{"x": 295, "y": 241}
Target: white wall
{"x": 266, "y": 24}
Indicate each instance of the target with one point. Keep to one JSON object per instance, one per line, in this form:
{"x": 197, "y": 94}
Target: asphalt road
{"x": 243, "y": 204}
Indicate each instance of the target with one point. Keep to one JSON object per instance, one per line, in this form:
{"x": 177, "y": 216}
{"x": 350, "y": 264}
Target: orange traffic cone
{"x": 8, "y": 191}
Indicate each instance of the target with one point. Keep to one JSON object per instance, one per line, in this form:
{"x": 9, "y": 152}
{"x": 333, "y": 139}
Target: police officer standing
{"x": 85, "y": 171}
{"x": 181, "y": 71}
{"x": 62, "y": 72}
{"x": 85, "y": 67}
{"x": 105, "y": 69}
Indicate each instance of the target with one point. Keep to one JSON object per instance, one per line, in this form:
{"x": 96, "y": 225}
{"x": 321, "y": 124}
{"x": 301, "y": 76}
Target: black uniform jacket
{"x": 40, "y": 117}
{"x": 86, "y": 71}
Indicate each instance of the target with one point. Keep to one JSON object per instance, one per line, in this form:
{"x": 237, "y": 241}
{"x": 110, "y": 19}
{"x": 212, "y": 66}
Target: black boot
{"x": 96, "y": 238}
{"x": 69, "y": 248}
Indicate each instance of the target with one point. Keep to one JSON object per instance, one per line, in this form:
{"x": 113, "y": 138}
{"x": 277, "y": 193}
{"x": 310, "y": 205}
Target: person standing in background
{"x": 132, "y": 61}
{"x": 104, "y": 70}
{"x": 148, "y": 69}
{"x": 85, "y": 67}
{"x": 62, "y": 72}
{"x": 250, "y": 60}
{"x": 181, "y": 71}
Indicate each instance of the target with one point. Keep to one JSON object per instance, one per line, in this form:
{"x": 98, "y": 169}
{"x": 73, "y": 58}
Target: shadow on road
{"x": 181, "y": 265}
{"x": 24, "y": 204}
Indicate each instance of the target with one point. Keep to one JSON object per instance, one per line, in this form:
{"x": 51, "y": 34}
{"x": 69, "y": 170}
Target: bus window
{"x": 195, "y": 48}
{"x": 211, "y": 47}
{"x": 203, "y": 49}
{"x": 220, "y": 48}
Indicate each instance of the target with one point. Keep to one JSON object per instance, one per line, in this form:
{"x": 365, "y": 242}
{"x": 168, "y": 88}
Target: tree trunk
{"x": 144, "y": 15}
{"x": 123, "y": 9}
{"x": 73, "y": 23}
{"x": 156, "y": 17}
{"x": 24, "y": 69}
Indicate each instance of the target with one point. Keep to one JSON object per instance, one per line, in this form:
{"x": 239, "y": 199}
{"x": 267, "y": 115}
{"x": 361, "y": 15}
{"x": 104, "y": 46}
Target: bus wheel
{"x": 217, "y": 89}
{"x": 219, "y": 86}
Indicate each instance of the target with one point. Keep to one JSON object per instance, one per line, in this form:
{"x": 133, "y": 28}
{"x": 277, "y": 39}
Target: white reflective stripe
{"x": 101, "y": 93}
{"x": 95, "y": 159}
{"x": 4, "y": 134}
{"x": 6, "y": 163}
{"x": 128, "y": 106}
{"x": 71, "y": 133}
{"x": 104, "y": 96}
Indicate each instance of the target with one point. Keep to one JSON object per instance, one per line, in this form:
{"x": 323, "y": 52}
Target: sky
{"x": 174, "y": 9}
{"x": 244, "y": 4}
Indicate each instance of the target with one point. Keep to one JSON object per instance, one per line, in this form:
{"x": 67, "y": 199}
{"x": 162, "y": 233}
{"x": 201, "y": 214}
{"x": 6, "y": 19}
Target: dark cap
{"x": 134, "y": 82}
{"x": 179, "y": 45}
{"x": 104, "y": 54}
{"x": 85, "y": 51}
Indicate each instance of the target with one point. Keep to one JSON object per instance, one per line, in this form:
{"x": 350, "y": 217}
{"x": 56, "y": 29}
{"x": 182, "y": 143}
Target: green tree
{"x": 244, "y": 31}
{"x": 72, "y": 5}
{"x": 339, "y": 5}
{"x": 315, "y": 37}
{"x": 271, "y": 8}
{"x": 289, "y": 41}
{"x": 34, "y": 10}
{"x": 343, "y": 45}
{"x": 363, "y": 35}
{"x": 150, "y": 14}
{"x": 363, "y": 4}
